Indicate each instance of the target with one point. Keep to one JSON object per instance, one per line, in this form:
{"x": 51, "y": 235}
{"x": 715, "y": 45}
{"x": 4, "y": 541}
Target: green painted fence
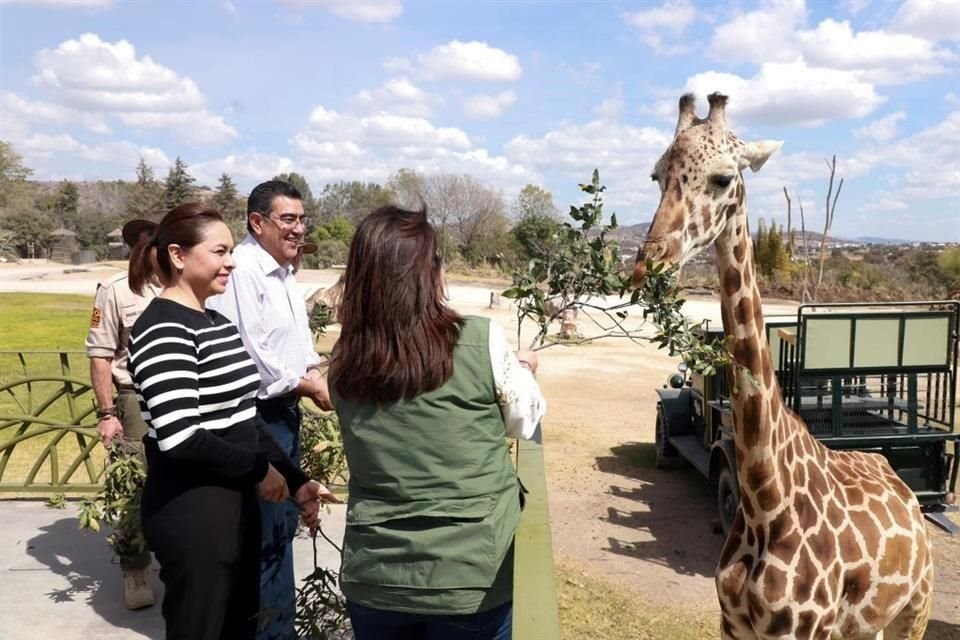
{"x": 535, "y": 615}
{"x": 47, "y": 424}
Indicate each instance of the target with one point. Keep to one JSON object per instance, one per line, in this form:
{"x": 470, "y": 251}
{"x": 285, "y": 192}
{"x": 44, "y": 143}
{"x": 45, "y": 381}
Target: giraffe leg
{"x": 911, "y": 623}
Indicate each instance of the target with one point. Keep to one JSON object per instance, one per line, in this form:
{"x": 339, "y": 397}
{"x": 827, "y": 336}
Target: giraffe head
{"x": 701, "y": 186}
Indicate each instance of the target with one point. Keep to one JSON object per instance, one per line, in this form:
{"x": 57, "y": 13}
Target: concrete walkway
{"x": 59, "y": 583}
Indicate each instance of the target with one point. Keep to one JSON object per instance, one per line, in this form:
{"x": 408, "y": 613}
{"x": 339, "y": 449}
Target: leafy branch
{"x": 117, "y": 504}
{"x": 583, "y": 267}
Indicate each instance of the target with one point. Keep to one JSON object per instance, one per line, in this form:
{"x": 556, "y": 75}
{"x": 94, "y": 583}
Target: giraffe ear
{"x": 755, "y": 154}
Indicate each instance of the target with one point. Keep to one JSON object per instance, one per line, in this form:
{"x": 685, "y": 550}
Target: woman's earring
{"x": 179, "y": 271}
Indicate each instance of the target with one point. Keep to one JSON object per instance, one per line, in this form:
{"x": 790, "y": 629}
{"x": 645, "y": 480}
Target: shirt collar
{"x": 263, "y": 258}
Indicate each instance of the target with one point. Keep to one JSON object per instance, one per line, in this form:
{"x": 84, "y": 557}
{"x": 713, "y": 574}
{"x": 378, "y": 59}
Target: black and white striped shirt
{"x": 197, "y": 384}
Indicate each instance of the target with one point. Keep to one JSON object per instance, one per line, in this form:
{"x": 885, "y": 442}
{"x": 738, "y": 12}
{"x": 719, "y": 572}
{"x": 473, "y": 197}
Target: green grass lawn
{"x": 33, "y": 323}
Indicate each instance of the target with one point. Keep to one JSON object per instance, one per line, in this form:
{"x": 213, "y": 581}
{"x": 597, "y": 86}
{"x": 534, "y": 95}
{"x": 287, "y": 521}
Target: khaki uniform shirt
{"x": 115, "y": 309}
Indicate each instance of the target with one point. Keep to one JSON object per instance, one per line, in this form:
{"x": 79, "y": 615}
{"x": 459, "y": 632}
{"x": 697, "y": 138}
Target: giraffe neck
{"x": 760, "y": 422}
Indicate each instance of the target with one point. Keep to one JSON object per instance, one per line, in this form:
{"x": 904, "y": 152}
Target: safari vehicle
{"x": 867, "y": 377}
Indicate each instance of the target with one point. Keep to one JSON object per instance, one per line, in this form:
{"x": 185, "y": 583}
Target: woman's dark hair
{"x": 261, "y": 198}
{"x": 397, "y": 333}
{"x": 184, "y": 225}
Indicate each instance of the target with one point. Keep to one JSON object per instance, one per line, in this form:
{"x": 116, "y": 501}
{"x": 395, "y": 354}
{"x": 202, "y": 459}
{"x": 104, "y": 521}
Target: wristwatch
{"x": 106, "y": 412}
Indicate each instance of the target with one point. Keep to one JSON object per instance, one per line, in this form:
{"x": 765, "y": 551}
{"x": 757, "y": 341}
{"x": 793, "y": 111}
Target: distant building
{"x": 65, "y": 245}
{"x": 116, "y": 247}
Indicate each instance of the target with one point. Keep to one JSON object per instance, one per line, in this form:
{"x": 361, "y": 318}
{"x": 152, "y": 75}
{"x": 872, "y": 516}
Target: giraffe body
{"x": 826, "y": 545}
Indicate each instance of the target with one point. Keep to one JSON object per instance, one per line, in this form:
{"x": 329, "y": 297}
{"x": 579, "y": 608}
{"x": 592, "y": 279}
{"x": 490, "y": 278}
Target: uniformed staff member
{"x": 115, "y": 309}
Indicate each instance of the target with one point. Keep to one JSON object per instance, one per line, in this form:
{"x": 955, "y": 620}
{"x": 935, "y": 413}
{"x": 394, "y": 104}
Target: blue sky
{"x": 509, "y": 92}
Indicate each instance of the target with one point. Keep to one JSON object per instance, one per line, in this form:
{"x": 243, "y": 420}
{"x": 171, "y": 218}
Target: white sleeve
{"x": 238, "y": 304}
{"x": 518, "y": 394}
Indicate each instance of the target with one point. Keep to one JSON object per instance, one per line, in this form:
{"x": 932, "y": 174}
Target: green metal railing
{"x": 47, "y": 424}
{"x": 535, "y": 614}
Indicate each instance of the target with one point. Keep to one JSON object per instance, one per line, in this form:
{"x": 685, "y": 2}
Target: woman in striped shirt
{"x": 208, "y": 456}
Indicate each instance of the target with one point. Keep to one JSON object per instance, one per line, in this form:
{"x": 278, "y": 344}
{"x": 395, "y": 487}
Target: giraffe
{"x": 825, "y": 544}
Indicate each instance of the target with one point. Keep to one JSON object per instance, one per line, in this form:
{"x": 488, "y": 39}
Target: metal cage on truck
{"x": 862, "y": 376}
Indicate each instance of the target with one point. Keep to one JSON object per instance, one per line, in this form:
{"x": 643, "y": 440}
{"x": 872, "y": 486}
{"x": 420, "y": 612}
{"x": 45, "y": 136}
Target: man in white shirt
{"x": 263, "y": 300}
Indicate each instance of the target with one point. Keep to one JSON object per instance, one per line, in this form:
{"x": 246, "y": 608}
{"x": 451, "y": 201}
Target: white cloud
{"x": 928, "y": 160}
{"x": 474, "y": 60}
{"x": 16, "y": 108}
{"x": 100, "y": 77}
{"x": 397, "y": 95}
{"x": 785, "y": 93}
{"x": 933, "y": 19}
{"x": 43, "y": 144}
{"x": 98, "y": 161}
{"x": 672, "y": 18}
{"x": 195, "y": 127}
{"x": 377, "y": 11}
{"x": 229, "y": 7}
{"x": 881, "y": 130}
{"x": 248, "y": 168}
{"x": 382, "y": 129}
{"x": 952, "y": 99}
{"x": 880, "y": 57}
{"x": 760, "y": 36}
{"x": 488, "y": 107}
{"x": 624, "y": 154}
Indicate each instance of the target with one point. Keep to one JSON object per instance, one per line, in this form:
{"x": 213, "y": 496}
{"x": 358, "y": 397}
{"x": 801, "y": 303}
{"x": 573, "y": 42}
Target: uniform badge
{"x": 95, "y": 318}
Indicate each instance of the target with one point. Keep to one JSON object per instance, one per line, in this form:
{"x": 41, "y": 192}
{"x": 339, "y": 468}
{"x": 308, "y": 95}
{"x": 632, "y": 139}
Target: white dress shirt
{"x": 518, "y": 394}
{"x": 263, "y": 300}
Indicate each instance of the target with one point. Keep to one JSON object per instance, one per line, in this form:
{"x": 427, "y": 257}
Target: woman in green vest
{"x": 425, "y": 398}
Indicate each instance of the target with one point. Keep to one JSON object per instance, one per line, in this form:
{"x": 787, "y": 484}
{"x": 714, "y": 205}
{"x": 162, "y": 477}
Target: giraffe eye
{"x": 721, "y": 181}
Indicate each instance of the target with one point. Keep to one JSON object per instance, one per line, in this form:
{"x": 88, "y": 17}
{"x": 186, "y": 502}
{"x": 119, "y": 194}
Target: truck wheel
{"x": 728, "y": 499}
{"x": 666, "y": 455}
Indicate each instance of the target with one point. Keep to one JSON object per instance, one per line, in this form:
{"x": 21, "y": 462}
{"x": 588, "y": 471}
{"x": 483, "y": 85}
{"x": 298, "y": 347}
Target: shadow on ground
{"x": 679, "y": 513}
{"x": 940, "y": 630}
{"x": 85, "y": 562}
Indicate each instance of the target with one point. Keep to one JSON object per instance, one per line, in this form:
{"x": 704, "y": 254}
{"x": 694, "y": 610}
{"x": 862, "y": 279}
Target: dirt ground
{"x": 613, "y": 514}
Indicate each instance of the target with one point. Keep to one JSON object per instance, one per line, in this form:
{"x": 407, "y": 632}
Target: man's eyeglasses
{"x": 288, "y": 220}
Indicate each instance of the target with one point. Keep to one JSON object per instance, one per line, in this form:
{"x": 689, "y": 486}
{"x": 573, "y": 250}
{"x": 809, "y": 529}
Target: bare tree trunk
{"x": 789, "y": 222}
{"x": 828, "y": 219}
{"x": 805, "y": 294}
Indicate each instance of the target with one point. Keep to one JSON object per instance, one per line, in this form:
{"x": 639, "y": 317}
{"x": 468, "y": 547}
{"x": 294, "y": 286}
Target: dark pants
{"x": 134, "y": 429}
{"x": 379, "y": 624}
{"x": 278, "y": 528}
{"x": 207, "y": 541}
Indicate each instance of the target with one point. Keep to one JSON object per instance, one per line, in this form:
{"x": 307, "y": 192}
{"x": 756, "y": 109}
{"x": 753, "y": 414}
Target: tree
{"x": 301, "y": 184}
{"x": 231, "y": 206}
{"x": 352, "y": 200}
{"x": 407, "y": 188}
{"x": 68, "y": 198}
{"x": 13, "y": 174}
{"x": 339, "y": 229}
{"x": 534, "y": 201}
{"x": 146, "y": 195}
{"x": 830, "y": 209}
{"x": 949, "y": 263}
{"x": 177, "y": 188}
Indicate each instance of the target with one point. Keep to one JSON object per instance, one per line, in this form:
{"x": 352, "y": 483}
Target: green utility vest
{"x": 433, "y": 497}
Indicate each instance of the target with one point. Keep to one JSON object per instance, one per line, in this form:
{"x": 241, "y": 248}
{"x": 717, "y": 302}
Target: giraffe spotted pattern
{"x": 826, "y": 544}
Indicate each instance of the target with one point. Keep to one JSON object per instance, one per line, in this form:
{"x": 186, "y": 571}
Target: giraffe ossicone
{"x": 826, "y": 544}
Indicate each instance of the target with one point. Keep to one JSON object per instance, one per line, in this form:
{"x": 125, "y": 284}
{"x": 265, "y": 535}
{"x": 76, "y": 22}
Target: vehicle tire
{"x": 666, "y": 455}
{"x": 728, "y": 498}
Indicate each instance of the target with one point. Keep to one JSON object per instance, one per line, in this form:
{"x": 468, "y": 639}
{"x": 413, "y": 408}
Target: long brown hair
{"x": 398, "y": 334}
{"x": 184, "y": 225}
